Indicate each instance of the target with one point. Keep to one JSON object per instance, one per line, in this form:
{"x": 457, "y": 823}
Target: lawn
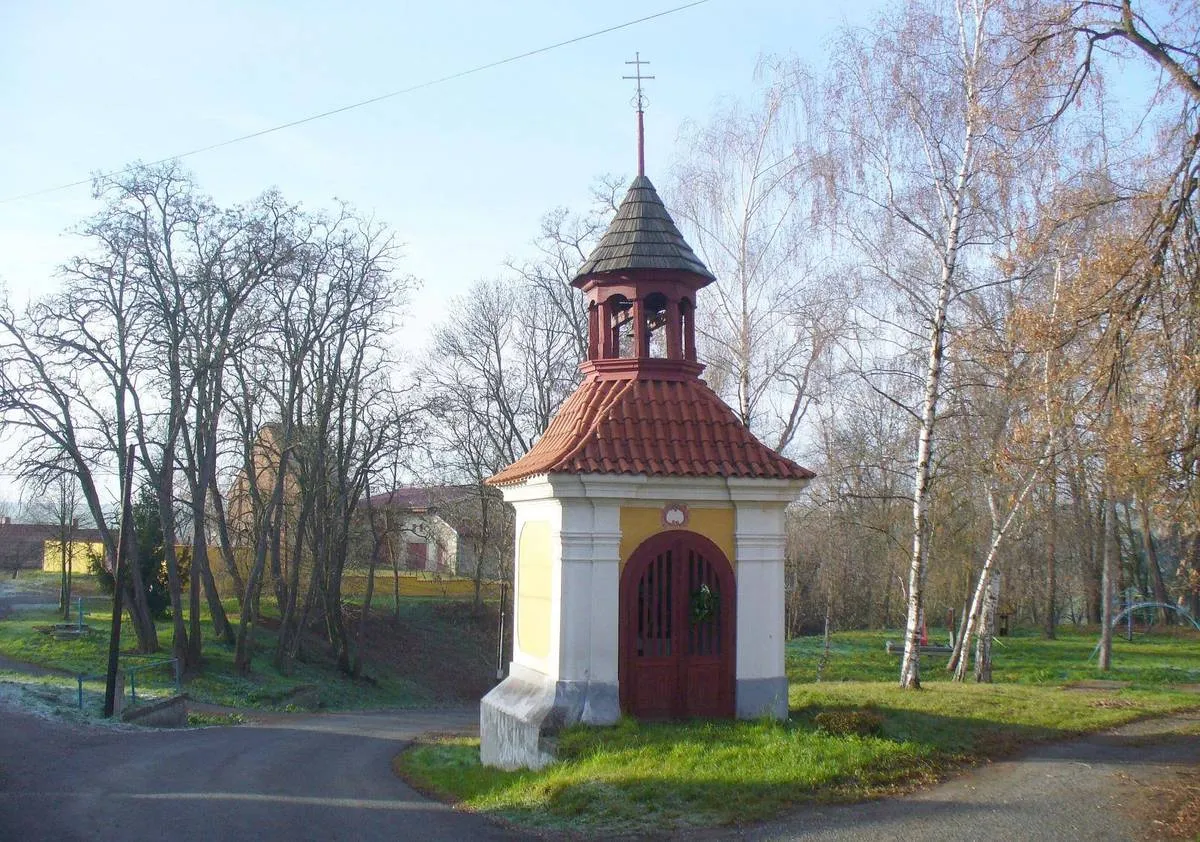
{"x": 265, "y": 689}
{"x": 1166, "y": 656}
{"x": 427, "y": 625}
{"x": 642, "y": 778}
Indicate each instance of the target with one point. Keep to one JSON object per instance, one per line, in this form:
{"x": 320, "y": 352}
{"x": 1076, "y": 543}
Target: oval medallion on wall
{"x": 675, "y": 515}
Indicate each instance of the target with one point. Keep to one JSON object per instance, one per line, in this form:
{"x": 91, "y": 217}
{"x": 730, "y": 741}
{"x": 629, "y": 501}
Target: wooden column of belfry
{"x": 648, "y": 574}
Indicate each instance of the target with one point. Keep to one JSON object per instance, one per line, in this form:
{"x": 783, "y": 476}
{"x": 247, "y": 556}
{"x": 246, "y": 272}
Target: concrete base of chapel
{"x": 762, "y": 697}
{"x": 520, "y": 717}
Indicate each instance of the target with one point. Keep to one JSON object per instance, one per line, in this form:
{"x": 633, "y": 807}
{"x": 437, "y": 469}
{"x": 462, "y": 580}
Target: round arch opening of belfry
{"x": 677, "y": 609}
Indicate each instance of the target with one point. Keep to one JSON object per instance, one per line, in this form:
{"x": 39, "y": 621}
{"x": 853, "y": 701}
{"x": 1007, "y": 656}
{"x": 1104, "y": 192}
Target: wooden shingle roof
{"x": 651, "y": 427}
{"x": 642, "y": 236}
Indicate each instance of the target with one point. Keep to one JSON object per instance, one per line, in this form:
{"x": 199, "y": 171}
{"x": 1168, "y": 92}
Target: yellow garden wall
{"x": 80, "y": 552}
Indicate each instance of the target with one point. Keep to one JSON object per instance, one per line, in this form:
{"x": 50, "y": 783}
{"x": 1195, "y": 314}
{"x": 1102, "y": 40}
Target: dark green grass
{"x": 218, "y": 683}
{"x": 640, "y": 778}
{"x": 1163, "y": 657}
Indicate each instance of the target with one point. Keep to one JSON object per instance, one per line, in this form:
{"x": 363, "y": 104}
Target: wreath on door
{"x": 705, "y": 604}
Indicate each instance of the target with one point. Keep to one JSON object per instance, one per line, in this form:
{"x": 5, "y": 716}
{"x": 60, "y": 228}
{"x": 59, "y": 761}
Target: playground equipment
{"x": 1131, "y": 607}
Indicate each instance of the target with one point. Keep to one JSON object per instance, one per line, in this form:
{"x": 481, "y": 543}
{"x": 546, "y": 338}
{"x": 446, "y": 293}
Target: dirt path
{"x": 1101, "y": 787}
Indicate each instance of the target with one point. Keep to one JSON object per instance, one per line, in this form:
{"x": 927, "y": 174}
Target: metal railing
{"x": 131, "y": 677}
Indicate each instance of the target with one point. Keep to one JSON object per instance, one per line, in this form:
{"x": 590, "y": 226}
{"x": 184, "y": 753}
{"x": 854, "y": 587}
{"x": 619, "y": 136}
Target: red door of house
{"x": 418, "y": 555}
{"x": 677, "y": 606}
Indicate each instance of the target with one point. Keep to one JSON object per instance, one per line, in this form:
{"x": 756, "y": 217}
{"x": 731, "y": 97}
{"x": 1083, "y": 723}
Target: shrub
{"x": 150, "y": 558}
{"x": 862, "y": 723}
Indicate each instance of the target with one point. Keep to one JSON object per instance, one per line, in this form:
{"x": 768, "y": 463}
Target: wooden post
{"x": 641, "y": 336}
{"x": 674, "y": 330}
{"x": 689, "y": 330}
{"x": 500, "y": 636}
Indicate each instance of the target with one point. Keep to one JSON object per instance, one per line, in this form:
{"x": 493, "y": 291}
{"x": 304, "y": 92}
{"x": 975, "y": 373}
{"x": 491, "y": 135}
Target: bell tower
{"x": 641, "y": 283}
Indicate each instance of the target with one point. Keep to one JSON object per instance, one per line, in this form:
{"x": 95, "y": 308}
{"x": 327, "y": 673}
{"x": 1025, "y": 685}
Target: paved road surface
{"x": 327, "y": 777}
{"x": 1097, "y": 788}
{"x": 295, "y": 778}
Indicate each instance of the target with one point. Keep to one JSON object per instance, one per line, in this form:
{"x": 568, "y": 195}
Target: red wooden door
{"x": 677, "y": 605}
{"x": 418, "y": 555}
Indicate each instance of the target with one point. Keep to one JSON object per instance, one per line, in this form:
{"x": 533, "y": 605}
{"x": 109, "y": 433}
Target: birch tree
{"x": 748, "y": 197}
{"x": 926, "y": 119}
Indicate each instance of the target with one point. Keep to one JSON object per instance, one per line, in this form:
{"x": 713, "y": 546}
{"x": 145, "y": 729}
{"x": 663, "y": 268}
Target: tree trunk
{"x": 139, "y": 610}
{"x": 1049, "y": 630}
{"x": 243, "y": 647}
{"x": 987, "y": 630}
{"x": 910, "y": 667}
{"x": 249, "y": 615}
{"x": 999, "y": 529}
{"x": 195, "y": 636}
{"x": 70, "y": 575}
{"x": 227, "y": 554}
{"x": 1108, "y": 579}
{"x": 1156, "y": 577}
{"x": 290, "y": 625}
{"x": 377, "y": 542}
{"x": 480, "y": 544}
{"x": 824, "y": 659}
{"x": 1192, "y": 600}
{"x": 179, "y": 638}
{"x": 200, "y": 566}
{"x": 64, "y": 556}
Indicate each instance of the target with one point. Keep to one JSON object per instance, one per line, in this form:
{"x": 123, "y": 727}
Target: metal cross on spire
{"x": 639, "y": 102}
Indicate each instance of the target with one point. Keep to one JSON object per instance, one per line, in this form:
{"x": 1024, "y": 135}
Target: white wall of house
{"x": 440, "y": 541}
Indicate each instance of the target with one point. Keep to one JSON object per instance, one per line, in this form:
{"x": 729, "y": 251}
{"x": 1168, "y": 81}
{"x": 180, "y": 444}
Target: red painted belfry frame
{"x": 697, "y": 685}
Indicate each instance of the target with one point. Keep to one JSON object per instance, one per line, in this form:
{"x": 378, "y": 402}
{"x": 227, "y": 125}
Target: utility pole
{"x": 114, "y": 639}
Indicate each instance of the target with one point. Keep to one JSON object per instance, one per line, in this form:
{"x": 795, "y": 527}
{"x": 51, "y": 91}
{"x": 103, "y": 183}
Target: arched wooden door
{"x": 677, "y": 605}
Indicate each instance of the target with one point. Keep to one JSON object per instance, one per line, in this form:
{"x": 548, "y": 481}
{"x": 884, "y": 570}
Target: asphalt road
{"x": 1097, "y": 788}
{"x": 328, "y": 777}
{"x": 321, "y": 777}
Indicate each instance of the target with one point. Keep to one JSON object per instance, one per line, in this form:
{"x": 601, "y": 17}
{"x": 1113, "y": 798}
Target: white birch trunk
{"x": 983, "y": 646}
{"x": 958, "y": 659}
{"x": 910, "y": 666}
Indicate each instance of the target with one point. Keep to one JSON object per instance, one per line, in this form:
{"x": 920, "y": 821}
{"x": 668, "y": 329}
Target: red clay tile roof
{"x": 421, "y": 497}
{"x": 651, "y": 427}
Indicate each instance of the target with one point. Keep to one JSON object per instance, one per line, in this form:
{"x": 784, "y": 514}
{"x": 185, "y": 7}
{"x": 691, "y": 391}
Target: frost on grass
{"x": 56, "y": 699}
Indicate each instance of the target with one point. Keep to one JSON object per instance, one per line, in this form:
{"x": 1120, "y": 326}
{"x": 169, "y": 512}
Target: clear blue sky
{"x": 463, "y": 171}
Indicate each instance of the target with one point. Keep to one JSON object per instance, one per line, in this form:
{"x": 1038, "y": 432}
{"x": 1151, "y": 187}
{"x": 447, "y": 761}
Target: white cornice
{"x": 659, "y": 489}
{"x": 753, "y": 489}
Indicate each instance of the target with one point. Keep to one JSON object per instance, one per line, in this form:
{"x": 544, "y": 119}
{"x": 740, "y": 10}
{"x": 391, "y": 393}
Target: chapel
{"x": 649, "y": 560}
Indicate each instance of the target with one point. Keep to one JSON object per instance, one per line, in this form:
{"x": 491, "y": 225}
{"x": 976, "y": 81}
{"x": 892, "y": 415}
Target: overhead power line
{"x": 363, "y": 103}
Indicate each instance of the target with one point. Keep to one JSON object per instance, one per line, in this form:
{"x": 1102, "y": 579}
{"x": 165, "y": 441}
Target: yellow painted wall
{"x": 638, "y": 524}
{"x": 79, "y": 550}
{"x": 533, "y": 589}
